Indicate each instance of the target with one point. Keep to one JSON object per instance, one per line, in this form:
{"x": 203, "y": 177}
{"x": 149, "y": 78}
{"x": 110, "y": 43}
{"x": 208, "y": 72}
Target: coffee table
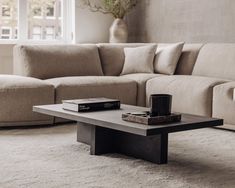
{"x": 106, "y": 132}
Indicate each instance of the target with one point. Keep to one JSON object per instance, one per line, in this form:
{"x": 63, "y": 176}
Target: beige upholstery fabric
{"x": 139, "y": 59}
{"x": 167, "y": 57}
{"x": 224, "y": 102}
{"x": 216, "y": 60}
{"x": 112, "y": 57}
{"x": 50, "y": 61}
{"x": 94, "y": 86}
{"x": 191, "y": 94}
{"x": 141, "y": 79}
{"x": 18, "y": 95}
{"x": 188, "y": 58}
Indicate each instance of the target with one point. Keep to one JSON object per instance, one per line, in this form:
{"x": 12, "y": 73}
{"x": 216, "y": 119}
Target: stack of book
{"x": 91, "y": 104}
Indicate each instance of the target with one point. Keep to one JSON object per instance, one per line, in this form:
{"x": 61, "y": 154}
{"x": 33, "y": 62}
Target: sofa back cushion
{"x": 216, "y": 60}
{"x": 139, "y": 59}
{"x": 188, "y": 58}
{"x": 166, "y": 58}
{"x": 50, "y": 61}
{"x": 112, "y": 57}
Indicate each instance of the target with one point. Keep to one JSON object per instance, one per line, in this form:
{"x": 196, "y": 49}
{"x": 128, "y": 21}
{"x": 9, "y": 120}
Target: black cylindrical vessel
{"x": 160, "y": 105}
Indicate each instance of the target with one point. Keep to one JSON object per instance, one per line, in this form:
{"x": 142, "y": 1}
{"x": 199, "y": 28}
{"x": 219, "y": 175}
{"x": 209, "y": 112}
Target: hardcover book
{"x": 90, "y": 104}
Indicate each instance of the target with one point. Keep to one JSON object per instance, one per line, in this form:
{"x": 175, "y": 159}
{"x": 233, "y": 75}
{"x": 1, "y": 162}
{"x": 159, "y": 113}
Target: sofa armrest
{"x": 234, "y": 94}
{"x": 224, "y": 102}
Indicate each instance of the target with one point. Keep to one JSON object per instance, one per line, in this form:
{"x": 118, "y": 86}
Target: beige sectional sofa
{"x": 203, "y": 83}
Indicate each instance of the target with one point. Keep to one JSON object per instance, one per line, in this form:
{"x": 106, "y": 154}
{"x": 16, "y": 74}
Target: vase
{"x": 118, "y": 31}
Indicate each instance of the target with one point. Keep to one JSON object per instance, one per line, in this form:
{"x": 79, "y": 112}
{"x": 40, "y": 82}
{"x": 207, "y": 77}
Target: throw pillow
{"x": 139, "y": 60}
{"x": 166, "y": 58}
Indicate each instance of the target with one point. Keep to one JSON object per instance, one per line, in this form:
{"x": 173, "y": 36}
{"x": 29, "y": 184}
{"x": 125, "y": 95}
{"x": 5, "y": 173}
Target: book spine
{"x": 98, "y": 106}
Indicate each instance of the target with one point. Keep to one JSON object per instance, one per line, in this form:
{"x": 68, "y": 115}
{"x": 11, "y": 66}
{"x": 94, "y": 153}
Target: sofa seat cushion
{"x": 191, "y": 94}
{"x": 95, "y": 86}
{"x": 224, "y": 102}
{"x": 18, "y": 95}
{"x": 141, "y": 79}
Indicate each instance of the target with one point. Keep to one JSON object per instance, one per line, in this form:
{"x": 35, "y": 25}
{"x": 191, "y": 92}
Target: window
{"x": 37, "y": 33}
{"x": 45, "y": 9}
{"x": 16, "y": 33}
{"x": 5, "y": 32}
{"x": 8, "y": 19}
{"x": 59, "y": 9}
{"x": 50, "y": 10}
{"x": 58, "y": 33}
{"x": 6, "y": 11}
{"x": 35, "y": 19}
{"x": 50, "y": 33}
{"x": 37, "y": 12}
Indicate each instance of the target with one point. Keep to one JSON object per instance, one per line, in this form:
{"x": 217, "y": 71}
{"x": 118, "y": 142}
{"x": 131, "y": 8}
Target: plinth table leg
{"x": 104, "y": 140}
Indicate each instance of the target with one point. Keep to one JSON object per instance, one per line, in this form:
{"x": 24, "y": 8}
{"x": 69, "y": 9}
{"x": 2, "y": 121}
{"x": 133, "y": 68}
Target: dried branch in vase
{"x": 117, "y": 8}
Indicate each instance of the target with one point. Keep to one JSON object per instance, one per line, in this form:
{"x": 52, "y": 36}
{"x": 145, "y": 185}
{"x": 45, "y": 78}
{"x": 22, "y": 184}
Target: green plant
{"x": 117, "y": 8}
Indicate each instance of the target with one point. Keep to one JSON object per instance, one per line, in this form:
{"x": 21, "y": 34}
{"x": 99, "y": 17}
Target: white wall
{"x": 6, "y": 58}
{"x": 91, "y": 27}
{"x": 185, "y": 20}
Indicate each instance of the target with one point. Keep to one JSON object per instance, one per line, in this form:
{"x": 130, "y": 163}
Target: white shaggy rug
{"x": 51, "y": 157}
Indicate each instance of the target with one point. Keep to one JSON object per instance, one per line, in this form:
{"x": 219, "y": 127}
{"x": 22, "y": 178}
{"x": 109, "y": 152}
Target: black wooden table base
{"x": 104, "y": 140}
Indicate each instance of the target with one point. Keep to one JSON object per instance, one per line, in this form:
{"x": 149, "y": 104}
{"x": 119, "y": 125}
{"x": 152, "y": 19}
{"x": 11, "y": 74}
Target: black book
{"x": 90, "y": 104}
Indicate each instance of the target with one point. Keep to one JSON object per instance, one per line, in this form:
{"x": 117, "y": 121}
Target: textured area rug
{"x": 51, "y": 157}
